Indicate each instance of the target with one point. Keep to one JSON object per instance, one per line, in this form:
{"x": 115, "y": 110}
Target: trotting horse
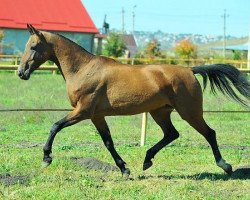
{"x": 98, "y": 86}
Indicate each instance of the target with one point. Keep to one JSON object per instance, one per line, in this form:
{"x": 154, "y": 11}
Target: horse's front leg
{"x": 72, "y": 118}
{"x": 102, "y": 127}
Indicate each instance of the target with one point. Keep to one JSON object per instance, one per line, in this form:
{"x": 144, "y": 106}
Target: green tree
{"x": 186, "y": 49}
{"x": 153, "y": 49}
{"x": 236, "y": 55}
{"x": 115, "y": 45}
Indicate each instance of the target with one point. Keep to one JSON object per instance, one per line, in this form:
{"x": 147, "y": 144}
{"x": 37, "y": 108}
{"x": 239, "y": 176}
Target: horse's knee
{"x": 57, "y": 126}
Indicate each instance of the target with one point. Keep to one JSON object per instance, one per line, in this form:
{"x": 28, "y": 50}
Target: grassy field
{"x": 183, "y": 170}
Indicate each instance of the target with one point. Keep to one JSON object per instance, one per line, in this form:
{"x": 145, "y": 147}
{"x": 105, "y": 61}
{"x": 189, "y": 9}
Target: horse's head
{"x": 36, "y": 52}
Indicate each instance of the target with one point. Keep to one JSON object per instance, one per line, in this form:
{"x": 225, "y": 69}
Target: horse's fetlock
{"x": 176, "y": 135}
{"x": 150, "y": 154}
{"x": 120, "y": 163}
{"x": 47, "y": 151}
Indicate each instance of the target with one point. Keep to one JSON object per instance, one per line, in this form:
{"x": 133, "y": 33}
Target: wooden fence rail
{"x": 11, "y": 62}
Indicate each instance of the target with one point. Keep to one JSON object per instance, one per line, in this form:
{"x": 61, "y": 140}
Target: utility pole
{"x": 123, "y": 23}
{"x": 248, "y": 53}
{"x": 133, "y": 15}
{"x": 224, "y": 32}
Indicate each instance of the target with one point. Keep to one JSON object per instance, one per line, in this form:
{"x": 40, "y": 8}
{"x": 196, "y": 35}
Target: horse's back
{"x": 132, "y": 90}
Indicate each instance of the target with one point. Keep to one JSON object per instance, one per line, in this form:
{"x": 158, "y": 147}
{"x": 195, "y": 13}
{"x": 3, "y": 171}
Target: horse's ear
{"x": 32, "y": 31}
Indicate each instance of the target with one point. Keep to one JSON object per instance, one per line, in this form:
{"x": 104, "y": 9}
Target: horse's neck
{"x": 68, "y": 56}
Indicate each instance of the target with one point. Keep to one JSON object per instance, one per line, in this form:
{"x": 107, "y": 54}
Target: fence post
{"x": 133, "y": 60}
{"x": 16, "y": 63}
{"x": 54, "y": 71}
{"x": 144, "y": 128}
{"x": 144, "y": 121}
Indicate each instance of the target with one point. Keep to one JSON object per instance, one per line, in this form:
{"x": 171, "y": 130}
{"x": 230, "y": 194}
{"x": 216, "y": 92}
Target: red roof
{"x": 56, "y": 15}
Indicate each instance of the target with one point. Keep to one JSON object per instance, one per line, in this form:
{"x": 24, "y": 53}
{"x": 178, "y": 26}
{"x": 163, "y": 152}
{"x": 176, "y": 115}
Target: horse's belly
{"x": 133, "y": 104}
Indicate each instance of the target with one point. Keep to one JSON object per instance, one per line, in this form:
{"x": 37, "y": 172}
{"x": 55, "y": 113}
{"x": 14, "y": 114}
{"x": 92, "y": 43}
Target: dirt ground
{"x": 7, "y": 179}
{"x": 94, "y": 164}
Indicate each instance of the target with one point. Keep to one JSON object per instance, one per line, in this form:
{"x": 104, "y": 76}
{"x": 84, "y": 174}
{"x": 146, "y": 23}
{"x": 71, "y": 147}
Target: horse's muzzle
{"x": 23, "y": 74}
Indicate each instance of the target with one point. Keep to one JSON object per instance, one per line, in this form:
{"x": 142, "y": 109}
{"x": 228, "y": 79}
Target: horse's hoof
{"x": 225, "y": 166}
{"x": 229, "y": 169}
{"x": 126, "y": 173}
{"x": 45, "y": 164}
{"x": 147, "y": 165}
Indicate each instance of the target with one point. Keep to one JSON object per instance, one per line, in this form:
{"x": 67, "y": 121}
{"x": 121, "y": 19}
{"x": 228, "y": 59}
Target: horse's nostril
{"x": 19, "y": 73}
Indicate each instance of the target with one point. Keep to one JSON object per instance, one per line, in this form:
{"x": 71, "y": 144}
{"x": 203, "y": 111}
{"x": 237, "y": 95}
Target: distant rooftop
{"x": 130, "y": 44}
{"x": 56, "y": 15}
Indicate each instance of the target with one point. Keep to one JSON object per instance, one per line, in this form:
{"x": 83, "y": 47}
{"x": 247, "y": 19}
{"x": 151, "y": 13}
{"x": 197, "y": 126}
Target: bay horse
{"x": 98, "y": 86}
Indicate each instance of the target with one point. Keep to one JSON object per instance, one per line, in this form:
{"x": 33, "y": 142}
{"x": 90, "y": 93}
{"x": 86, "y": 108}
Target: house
{"x": 130, "y": 43}
{"x": 66, "y": 17}
{"x": 240, "y": 47}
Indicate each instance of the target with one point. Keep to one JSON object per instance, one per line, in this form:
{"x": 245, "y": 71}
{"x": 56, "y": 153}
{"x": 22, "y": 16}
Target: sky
{"x": 174, "y": 16}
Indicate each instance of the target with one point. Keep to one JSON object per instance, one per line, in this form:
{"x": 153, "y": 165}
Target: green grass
{"x": 183, "y": 170}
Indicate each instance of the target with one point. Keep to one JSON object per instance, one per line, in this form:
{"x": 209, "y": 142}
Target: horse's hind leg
{"x": 103, "y": 129}
{"x": 198, "y": 123}
{"x": 162, "y": 118}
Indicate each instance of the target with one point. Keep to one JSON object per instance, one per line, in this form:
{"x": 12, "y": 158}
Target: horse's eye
{"x": 33, "y": 47}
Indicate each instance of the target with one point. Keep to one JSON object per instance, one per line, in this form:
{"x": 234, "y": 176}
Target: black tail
{"x": 220, "y": 76}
